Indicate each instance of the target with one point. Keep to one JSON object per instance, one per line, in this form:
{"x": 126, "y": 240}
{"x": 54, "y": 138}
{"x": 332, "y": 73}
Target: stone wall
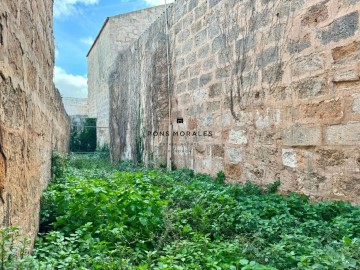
{"x": 117, "y": 34}
{"x": 76, "y": 106}
{"x": 140, "y": 103}
{"x": 270, "y": 88}
{"x": 33, "y": 121}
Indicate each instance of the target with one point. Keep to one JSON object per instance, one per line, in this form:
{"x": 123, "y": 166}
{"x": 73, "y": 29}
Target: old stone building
{"x": 262, "y": 90}
{"x": 33, "y": 121}
{"x": 117, "y": 34}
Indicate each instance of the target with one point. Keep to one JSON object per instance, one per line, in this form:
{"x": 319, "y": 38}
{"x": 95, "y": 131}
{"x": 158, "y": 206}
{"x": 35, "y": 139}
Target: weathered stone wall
{"x": 117, "y": 34}
{"x": 33, "y": 121}
{"x": 76, "y": 106}
{"x": 139, "y": 98}
{"x": 276, "y": 83}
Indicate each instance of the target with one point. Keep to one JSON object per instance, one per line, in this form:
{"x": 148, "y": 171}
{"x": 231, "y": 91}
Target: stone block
{"x": 268, "y": 56}
{"x": 314, "y": 184}
{"x": 238, "y": 137}
{"x": 217, "y": 150}
{"x": 207, "y": 121}
{"x": 196, "y": 27}
{"x": 200, "y": 148}
{"x": 348, "y": 3}
{"x": 272, "y": 73}
{"x": 233, "y": 171}
{"x": 201, "y": 10}
{"x": 181, "y": 87}
{"x": 326, "y": 111}
{"x": 287, "y": 7}
{"x": 343, "y": 52}
{"x": 289, "y": 158}
{"x": 213, "y": 29}
{"x": 310, "y": 63}
{"x": 330, "y": 157}
{"x": 218, "y": 43}
{"x": 310, "y": 87}
{"x": 262, "y": 120}
{"x": 315, "y": 14}
{"x": 297, "y": 46}
{"x": 344, "y": 134}
{"x": 356, "y": 104}
{"x": 201, "y": 37}
{"x": 194, "y": 70}
{"x": 244, "y": 45}
{"x": 180, "y": 63}
{"x": 213, "y": 106}
{"x": 188, "y": 20}
{"x": 187, "y": 47}
{"x": 205, "y": 79}
{"x": 192, "y": 4}
{"x": 346, "y": 76}
{"x": 209, "y": 64}
{"x": 179, "y": 12}
{"x": 192, "y": 124}
{"x": 347, "y": 187}
{"x": 191, "y": 59}
{"x": 183, "y": 35}
{"x": 183, "y": 74}
{"x": 199, "y": 95}
{"x": 233, "y": 155}
{"x": 215, "y": 90}
{"x": 212, "y": 3}
{"x": 302, "y": 135}
{"x": 193, "y": 84}
{"x": 341, "y": 28}
{"x": 203, "y": 51}
{"x": 185, "y": 99}
{"x": 259, "y": 20}
{"x": 225, "y": 120}
{"x": 223, "y": 72}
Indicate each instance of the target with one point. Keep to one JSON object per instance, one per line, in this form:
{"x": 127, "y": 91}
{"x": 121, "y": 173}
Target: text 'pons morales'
{"x": 181, "y": 133}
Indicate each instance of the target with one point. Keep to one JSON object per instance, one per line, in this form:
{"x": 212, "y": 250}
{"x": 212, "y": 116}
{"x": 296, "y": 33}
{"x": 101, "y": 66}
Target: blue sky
{"x": 76, "y": 25}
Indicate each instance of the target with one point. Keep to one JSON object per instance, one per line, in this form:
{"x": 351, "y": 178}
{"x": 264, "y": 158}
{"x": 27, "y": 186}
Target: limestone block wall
{"x": 117, "y": 34}
{"x": 279, "y": 90}
{"x": 76, "y": 106}
{"x": 139, "y": 100}
{"x": 33, "y": 121}
{"x": 267, "y": 90}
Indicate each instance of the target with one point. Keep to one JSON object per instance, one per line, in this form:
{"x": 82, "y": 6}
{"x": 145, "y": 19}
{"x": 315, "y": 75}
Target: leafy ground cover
{"x": 98, "y": 216}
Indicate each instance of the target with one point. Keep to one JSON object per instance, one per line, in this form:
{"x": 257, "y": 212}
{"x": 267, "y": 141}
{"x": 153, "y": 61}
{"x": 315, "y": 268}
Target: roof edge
{"x": 107, "y": 20}
{"x": 98, "y": 35}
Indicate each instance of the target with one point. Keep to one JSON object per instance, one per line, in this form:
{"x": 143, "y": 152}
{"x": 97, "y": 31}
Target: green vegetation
{"x": 99, "y": 216}
{"x": 83, "y": 137}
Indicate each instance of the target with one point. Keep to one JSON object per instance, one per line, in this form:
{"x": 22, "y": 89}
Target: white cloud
{"x": 87, "y": 41}
{"x": 67, "y": 7}
{"x": 70, "y": 85}
{"x": 157, "y": 2}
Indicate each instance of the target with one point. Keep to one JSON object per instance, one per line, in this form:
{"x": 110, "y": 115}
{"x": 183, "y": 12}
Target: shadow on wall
{"x": 5, "y": 200}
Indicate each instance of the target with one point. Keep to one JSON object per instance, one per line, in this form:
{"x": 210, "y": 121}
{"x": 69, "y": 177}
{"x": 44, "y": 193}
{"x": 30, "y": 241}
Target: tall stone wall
{"x": 267, "y": 90}
{"x": 33, "y": 121}
{"x": 139, "y": 98}
{"x": 117, "y": 34}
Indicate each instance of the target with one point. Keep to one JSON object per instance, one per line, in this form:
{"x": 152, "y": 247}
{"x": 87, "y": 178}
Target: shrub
{"x": 101, "y": 218}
